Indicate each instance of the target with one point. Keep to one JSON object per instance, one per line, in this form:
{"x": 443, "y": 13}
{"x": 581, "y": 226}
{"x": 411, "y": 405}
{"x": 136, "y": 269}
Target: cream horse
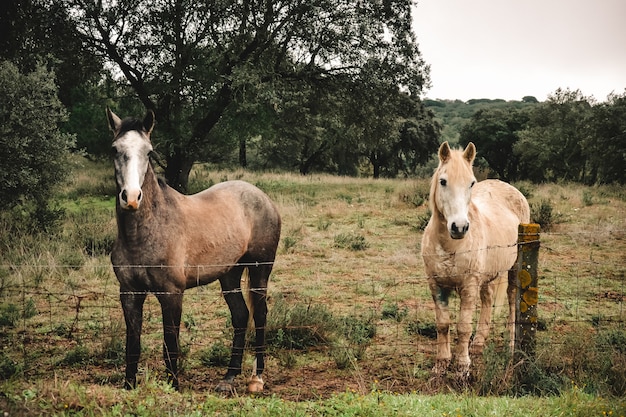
{"x": 470, "y": 246}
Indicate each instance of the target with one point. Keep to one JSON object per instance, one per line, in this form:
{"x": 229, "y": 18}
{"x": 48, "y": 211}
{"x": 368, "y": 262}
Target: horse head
{"x": 452, "y": 188}
{"x": 131, "y": 156}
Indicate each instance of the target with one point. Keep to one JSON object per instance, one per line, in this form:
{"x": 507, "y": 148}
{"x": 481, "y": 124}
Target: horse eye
{"x": 443, "y": 182}
{"x": 472, "y": 184}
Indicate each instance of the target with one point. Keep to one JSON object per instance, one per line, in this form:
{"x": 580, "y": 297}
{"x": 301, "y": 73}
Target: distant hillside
{"x": 453, "y": 114}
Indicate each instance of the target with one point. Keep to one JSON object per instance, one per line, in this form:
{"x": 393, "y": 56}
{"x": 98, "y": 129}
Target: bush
{"x": 217, "y": 355}
{"x": 298, "y": 326}
{"x": 542, "y": 213}
{"x": 303, "y": 326}
{"x": 350, "y": 241}
{"x": 394, "y": 312}
{"x": 34, "y": 156}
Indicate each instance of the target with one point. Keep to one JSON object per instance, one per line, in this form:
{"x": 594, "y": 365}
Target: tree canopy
{"x": 569, "y": 137}
{"x": 199, "y": 64}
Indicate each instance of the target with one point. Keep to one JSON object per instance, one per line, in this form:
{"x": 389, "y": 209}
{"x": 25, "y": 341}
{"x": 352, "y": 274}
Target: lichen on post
{"x": 527, "y": 288}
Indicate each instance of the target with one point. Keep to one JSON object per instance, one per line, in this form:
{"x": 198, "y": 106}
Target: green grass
{"x": 348, "y": 272}
{"x": 155, "y": 398}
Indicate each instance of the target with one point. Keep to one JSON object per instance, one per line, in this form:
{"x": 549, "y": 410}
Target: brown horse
{"x": 168, "y": 242}
{"x": 470, "y": 246}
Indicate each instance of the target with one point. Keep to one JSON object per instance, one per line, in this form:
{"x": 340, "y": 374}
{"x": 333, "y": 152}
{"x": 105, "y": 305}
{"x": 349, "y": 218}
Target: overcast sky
{"x": 514, "y": 48}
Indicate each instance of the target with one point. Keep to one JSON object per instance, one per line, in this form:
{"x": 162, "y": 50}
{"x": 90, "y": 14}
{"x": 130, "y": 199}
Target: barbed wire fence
{"x": 55, "y": 317}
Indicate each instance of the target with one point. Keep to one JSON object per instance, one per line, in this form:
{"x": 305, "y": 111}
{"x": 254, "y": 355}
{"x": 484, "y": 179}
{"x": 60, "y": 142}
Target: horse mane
{"x": 129, "y": 124}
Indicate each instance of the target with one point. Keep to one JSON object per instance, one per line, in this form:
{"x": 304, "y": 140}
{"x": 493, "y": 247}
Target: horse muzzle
{"x": 458, "y": 231}
{"x": 130, "y": 200}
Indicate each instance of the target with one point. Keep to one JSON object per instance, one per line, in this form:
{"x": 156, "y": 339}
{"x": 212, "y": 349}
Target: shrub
{"x": 543, "y": 214}
{"x": 8, "y": 367}
{"x": 302, "y": 326}
{"x": 394, "y": 312}
{"x": 35, "y": 152}
{"x": 351, "y": 241}
{"x": 79, "y": 355}
{"x": 298, "y": 326}
{"x": 217, "y": 355}
{"x": 428, "y": 330}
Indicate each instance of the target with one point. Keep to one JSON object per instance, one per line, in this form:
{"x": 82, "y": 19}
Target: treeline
{"x": 569, "y": 137}
{"x": 302, "y": 86}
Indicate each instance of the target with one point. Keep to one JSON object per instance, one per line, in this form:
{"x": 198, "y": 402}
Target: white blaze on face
{"x": 131, "y": 162}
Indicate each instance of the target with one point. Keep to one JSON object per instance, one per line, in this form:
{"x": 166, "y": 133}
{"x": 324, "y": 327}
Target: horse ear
{"x": 470, "y": 153}
{"x": 444, "y": 151}
{"x": 148, "y": 122}
{"x": 114, "y": 121}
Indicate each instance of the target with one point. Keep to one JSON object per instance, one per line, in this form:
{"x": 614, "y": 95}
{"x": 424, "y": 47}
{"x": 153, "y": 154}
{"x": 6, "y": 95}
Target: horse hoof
{"x": 225, "y": 387}
{"x": 256, "y": 384}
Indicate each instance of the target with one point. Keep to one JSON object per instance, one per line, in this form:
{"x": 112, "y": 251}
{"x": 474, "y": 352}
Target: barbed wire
{"x": 70, "y": 308}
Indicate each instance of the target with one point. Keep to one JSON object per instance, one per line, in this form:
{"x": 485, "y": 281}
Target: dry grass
{"x": 77, "y": 331}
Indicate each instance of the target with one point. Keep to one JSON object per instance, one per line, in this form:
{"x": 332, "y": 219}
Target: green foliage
{"x": 428, "y": 329}
{"x": 415, "y": 195}
{"x": 8, "y": 367}
{"x": 34, "y": 153}
{"x": 568, "y": 137}
{"x": 300, "y": 94}
{"x": 594, "y": 361}
{"x": 113, "y": 349}
{"x": 217, "y": 355}
{"x": 543, "y": 214}
{"x": 299, "y": 326}
{"x": 11, "y": 314}
{"x": 394, "y": 312}
{"x": 422, "y": 220}
{"x": 352, "y": 241}
{"x": 495, "y": 132}
{"x": 455, "y": 114}
{"x": 354, "y": 335}
{"x": 79, "y": 355}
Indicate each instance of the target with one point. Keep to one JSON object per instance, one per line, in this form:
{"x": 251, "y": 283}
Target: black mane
{"x": 129, "y": 124}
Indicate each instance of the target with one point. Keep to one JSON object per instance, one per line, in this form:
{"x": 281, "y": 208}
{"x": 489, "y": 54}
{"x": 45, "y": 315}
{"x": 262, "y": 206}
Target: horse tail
{"x": 246, "y": 290}
{"x": 247, "y": 296}
{"x": 500, "y": 298}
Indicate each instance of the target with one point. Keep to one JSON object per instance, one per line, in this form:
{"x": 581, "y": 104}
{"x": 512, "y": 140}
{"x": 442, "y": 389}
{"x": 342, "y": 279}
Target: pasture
{"x": 351, "y": 319}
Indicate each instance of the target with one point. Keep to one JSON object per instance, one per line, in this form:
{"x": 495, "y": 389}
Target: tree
{"x": 605, "y": 147}
{"x": 34, "y": 151}
{"x": 192, "y": 62}
{"x": 495, "y": 132}
{"x": 551, "y": 146}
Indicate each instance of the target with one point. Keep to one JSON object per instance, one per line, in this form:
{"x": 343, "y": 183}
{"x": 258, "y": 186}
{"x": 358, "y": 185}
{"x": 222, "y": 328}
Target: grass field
{"x": 351, "y": 320}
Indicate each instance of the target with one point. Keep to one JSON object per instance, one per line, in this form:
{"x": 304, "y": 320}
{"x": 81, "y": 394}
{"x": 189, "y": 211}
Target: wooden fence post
{"x": 527, "y": 289}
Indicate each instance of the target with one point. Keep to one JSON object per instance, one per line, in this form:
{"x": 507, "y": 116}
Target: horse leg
{"x": 442, "y": 320}
{"x": 231, "y": 290}
{"x": 171, "y": 309}
{"x": 258, "y": 291}
{"x": 511, "y": 292}
{"x": 132, "y": 304}
{"x": 484, "y": 321}
{"x": 464, "y": 327}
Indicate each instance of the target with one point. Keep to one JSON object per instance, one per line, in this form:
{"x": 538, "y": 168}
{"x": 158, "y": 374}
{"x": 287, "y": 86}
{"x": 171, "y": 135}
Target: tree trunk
{"x": 243, "y": 160}
{"x": 375, "y": 161}
{"x": 178, "y": 170}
